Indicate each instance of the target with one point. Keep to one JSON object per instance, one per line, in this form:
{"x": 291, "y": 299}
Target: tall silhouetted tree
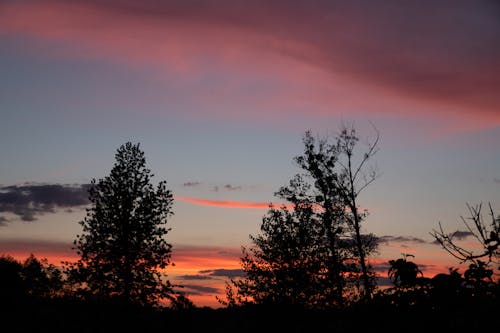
{"x": 122, "y": 247}
{"x": 354, "y": 173}
{"x": 312, "y": 251}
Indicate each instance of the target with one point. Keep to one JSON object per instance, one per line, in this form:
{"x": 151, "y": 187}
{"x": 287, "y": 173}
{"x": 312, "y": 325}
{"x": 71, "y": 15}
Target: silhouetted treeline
{"x": 407, "y": 309}
{"x": 306, "y": 271}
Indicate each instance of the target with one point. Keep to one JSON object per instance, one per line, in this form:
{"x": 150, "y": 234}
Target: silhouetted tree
{"x": 12, "y": 287}
{"x": 122, "y": 247}
{"x": 354, "y": 174}
{"x": 42, "y": 280}
{"x": 32, "y": 278}
{"x": 404, "y": 273}
{"x": 447, "y": 288}
{"x": 486, "y": 234}
{"x": 312, "y": 252}
{"x": 284, "y": 266}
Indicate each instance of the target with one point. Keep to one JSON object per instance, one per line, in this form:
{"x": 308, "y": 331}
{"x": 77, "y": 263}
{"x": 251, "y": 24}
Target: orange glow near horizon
{"x": 199, "y": 268}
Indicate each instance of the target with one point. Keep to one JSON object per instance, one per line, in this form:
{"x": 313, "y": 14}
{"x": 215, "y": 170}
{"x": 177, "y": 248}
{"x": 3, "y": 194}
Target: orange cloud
{"x": 224, "y": 203}
{"x": 205, "y": 261}
{"x": 192, "y": 259}
{"x": 238, "y": 204}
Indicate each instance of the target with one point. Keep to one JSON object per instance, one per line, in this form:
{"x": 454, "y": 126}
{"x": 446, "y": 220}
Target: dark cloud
{"x": 191, "y": 184}
{"x": 458, "y": 235}
{"x": 496, "y": 180}
{"x": 200, "y": 290}
{"x": 224, "y": 272}
{"x": 401, "y": 239}
{"x": 230, "y": 252}
{"x": 195, "y": 277}
{"x": 462, "y": 234}
{"x": 229, "y": 187}
{"x": 3, "y": 220}
{"x": 381, "y": 267}
{"x": 29, "y": 200}
{"x": 384, "y": 281}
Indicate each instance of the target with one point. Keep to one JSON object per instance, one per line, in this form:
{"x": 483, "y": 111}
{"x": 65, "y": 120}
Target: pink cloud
{"x": 192, "y": 259}
{"x": 322, "y": 58}
{"x": 224, "y": 203}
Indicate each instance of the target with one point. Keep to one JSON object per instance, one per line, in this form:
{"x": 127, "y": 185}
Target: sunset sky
{"x": 219, "y": 95}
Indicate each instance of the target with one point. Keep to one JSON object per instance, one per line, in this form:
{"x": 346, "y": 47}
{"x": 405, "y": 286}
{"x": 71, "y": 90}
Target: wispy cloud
{"x": 193, "y": 289}
{"x": 3, "y": 221}
{"x": 224, "y": 203}
{"x": 227, "y": 187}
{"x": 224, "y": 272}
{"x": 29, "y": 200}
{"x": 462, "y": 234}
{"x": 194, "y": 277}
{"x": 190, "y": 260}
{"x": 401, "y": 239}
{"x": 458, "y": 235}
{"x": 413, "y": 50}
{"x": 191, "y": 184}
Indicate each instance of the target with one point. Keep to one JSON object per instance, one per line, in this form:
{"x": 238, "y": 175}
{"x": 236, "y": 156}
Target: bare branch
{"x": 486, "y": 235}
{"x": 372, "y": 150}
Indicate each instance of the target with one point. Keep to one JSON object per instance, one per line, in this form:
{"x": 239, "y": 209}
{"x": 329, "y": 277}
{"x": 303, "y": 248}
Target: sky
{"x": 219, "y": 95}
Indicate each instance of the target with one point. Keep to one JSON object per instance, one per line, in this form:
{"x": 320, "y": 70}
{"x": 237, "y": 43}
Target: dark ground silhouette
{"x": 73, "y": 316}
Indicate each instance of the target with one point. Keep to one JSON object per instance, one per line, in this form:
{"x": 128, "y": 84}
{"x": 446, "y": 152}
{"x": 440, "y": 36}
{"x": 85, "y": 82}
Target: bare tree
{"x": 354, "y": 175}
{"x": 486, "y": 234}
